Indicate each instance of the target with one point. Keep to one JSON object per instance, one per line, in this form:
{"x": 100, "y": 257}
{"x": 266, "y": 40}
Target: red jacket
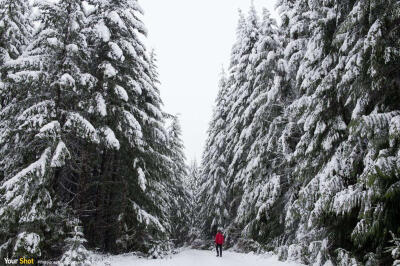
{"x": 219, "y": 239}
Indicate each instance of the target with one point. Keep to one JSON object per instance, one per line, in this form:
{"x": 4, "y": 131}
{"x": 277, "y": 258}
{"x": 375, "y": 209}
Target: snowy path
{"x": 190, "y": 257}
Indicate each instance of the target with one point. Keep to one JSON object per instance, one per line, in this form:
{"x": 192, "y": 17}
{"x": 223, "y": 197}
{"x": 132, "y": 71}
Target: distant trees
{"x": 192, "y": 184}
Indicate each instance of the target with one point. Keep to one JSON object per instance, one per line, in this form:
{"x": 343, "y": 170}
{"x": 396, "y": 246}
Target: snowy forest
{"x": 303, "y": 151}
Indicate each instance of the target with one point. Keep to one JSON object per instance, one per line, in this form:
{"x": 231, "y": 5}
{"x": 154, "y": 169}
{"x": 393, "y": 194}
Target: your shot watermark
{"x": 20, "y": 261}
{"x": 28, "y": 261}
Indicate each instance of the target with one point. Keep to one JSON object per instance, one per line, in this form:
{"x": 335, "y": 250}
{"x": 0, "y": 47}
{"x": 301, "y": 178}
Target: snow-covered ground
{"x": 191, "y": 257}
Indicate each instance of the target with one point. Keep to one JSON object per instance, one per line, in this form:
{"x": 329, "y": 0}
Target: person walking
{"x": 219, "y": 241}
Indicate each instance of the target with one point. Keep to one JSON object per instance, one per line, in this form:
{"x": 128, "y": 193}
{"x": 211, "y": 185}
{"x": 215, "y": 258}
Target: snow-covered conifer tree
{"x": 127, "y": 111}
{"x": 213, "y": 184}
{"x": 179, "y": 209}
{"x": 75, "y": 254}
{"x": 192, "y": 184}
{"x": 344, "y": 130}
{"x": 367, "y": 167}
{"x": 48, "y": 81}
{"x": 240, "y": 83}
{"x": 262, "y": 129}
{"x": 241, "y": 86}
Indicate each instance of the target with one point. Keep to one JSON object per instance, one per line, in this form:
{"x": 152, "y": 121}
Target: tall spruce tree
{"x": 88, "y": 136}
{"x": 192, "y": 184}
{"x": 241, "y": 85}
{"x": 213, "y": 184}
{"x": 262, "y": 185}
{"x": 128, "y": 106}
{"x": 47, "y": 80}
{"x": 179, "y": 209}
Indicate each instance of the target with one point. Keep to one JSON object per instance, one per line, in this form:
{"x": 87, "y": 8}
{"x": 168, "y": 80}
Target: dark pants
{"x": 219, "y": 247}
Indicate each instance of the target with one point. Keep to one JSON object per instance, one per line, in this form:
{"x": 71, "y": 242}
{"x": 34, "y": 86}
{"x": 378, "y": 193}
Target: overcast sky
{"x": 192, "y": 40}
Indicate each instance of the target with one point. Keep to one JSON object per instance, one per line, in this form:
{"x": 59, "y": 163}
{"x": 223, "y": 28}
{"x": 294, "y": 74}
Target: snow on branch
{"x": 82, "y": 127}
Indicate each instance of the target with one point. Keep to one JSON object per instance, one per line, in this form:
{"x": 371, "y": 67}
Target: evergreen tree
{"x": 213, "y": 186}
{"x": 262, "y": 185}
{"x": 179, "y": 209}
{"x": 241, "y": 85}
{"x": 372, "y": 109}
{"x": 88, "y": 136}
{"x": 192, "y": 184}
{"x": 47, "y": 80}
{"x": 127, "y": 106}
{"x": 76, "y": 254}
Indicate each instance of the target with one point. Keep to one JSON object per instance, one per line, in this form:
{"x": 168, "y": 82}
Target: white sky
{"x": 192, "y": 40}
